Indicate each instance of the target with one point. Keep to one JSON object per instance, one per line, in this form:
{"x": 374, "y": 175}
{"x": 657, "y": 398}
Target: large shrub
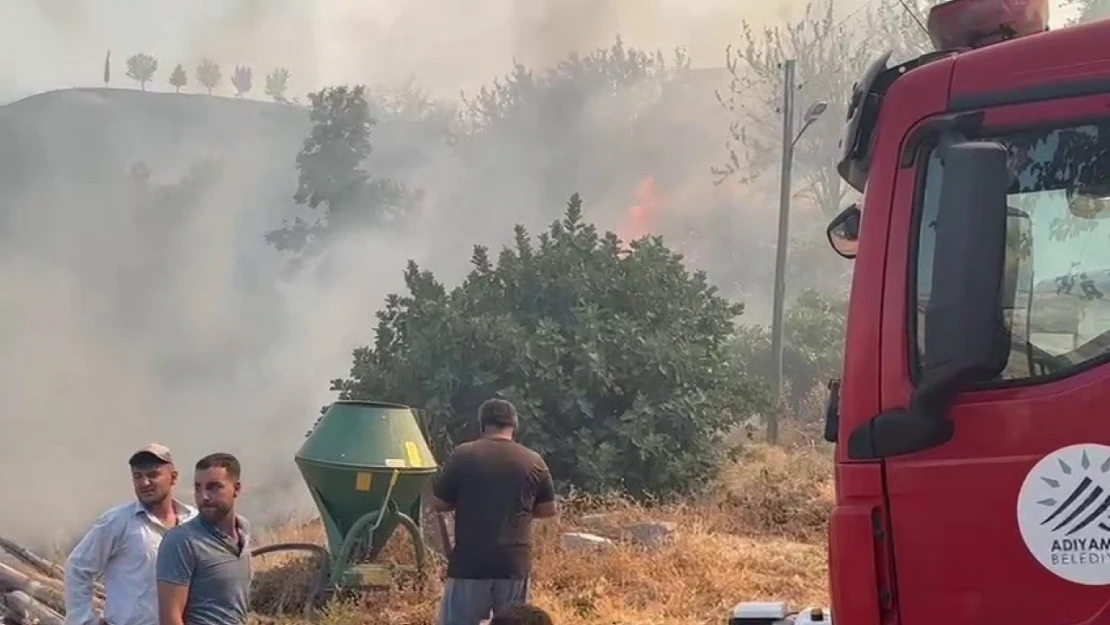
{"x": 813, "y": 347}
{"x": 617, "y": 359}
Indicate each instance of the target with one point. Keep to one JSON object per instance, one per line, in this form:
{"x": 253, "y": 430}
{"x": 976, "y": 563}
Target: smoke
{"x": 448, "y": 44}
{"x": 125, "y": 320}
{"x": 146, "y": 306}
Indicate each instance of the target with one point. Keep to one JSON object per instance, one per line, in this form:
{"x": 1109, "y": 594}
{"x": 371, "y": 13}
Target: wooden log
{"x": 30, "y": 558}
{"x": 41, "y": 564}
{"x": 31, "y": 612}
{"x": 13, "y": 580}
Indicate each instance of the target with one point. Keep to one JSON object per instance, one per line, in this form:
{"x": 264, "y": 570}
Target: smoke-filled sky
{"x": 448, "y": 44}
{"x": 102, "y": 350}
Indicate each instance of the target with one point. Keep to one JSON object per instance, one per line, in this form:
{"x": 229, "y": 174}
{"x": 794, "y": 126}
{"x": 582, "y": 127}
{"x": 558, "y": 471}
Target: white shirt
{"x": 121, "y": 547}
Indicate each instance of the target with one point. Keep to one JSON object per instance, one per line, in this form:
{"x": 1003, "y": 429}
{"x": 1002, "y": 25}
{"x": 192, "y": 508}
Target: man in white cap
{"x": 122, "y": 547}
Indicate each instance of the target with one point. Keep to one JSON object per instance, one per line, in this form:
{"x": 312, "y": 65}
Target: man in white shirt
{"x": 122, "y": 547}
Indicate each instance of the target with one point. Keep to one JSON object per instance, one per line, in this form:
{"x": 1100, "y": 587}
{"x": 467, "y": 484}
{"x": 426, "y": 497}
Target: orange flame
{"x": 641, "y": 219}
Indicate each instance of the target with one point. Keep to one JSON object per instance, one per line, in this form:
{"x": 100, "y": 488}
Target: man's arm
{"x": 445, "y": 489}
{"x": 175, "y": 566}
{"x": 84, "y": 565}
{"x": 544, "y": 506}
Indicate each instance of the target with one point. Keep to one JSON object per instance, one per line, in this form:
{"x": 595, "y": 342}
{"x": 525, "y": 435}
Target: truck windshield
{"x": 1057, "y": 296}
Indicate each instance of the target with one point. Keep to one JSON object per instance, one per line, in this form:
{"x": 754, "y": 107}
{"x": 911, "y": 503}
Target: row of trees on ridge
{"x": 142, "y": 68}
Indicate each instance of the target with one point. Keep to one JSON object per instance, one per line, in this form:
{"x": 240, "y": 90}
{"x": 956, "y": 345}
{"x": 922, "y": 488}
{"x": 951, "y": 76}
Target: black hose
{"x": 321, "y": 577}
{"x": 310, "y": 547}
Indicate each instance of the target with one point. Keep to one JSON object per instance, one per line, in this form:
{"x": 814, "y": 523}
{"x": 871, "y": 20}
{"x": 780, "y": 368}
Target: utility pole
{"x": 780, "y": 247}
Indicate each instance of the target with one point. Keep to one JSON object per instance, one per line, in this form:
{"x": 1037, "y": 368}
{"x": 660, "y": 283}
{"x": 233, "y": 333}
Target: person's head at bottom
{"x": 526, "y": 614}
{"x": 497, "y": 418}
{"x": 217, "y": 486}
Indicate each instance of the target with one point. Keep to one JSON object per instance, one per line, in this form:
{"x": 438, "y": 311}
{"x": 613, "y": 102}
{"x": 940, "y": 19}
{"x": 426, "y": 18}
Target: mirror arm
{"x": 925, "y": 424}
{"x": 933, "y": 397}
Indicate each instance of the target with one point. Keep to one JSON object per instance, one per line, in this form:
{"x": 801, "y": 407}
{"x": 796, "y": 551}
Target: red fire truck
{"x": 972, "y": 421}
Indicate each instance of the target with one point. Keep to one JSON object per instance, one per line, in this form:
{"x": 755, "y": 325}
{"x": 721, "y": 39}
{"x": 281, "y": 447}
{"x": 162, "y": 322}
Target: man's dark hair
{"x": 221, "y": 460}
{"x": 522, "y": 615}
{"x": 497, "y": 413}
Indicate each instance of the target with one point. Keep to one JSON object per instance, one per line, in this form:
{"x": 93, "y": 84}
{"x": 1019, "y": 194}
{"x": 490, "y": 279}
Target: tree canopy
{"x": 813, "y": 346}
{"x": 277, "y": 82}
{"x": 141, "y": 68}
{"x": 242, "y": 80}
{"x": 618, "y": 359}
{"x": 209, "y": 75}
{"x": 178, "y": 78}
{"x": 332, "y": 176}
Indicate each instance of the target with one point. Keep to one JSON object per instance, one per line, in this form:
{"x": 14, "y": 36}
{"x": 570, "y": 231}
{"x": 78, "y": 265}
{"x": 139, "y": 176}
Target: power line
{"x": 852, "y": 14}
{"x": 909, "y": 10}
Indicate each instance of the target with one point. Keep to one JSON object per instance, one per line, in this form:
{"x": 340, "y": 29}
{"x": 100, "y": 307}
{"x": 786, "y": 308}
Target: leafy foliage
{"x": 827, "y": 60}
{"x": 564, "y": 129}
{"x": 331, "y": 174}
{"x": 241, "y": 80}
{"x": 813, "y": 348}
{"x": 617, "y": 360}
{"x": 1090, "y": 10}
{"x": 208, "y": 75}
{"x": 178, "y": 78}
{"x": 277, "y": 82}
{"x": 141, "y": 68}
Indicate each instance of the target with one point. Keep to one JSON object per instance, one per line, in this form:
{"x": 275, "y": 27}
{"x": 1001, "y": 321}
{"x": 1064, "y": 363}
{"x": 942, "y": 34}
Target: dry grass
{"x": 758, "y": 536}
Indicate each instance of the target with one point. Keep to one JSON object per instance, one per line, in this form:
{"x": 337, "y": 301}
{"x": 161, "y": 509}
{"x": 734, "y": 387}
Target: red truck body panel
{"x": 933, "y": 538}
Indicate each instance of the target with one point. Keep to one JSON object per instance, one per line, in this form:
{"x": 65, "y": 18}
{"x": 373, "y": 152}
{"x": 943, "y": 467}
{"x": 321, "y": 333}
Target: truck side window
{"x": 1056, "y": 301}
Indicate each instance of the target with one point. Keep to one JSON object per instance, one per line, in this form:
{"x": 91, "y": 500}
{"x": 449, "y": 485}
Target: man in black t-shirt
{"x": 496, "y": 487}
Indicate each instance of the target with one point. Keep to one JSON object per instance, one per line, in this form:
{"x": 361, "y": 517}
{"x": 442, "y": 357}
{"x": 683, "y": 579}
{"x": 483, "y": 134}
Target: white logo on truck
{"x": 1064, "y": 513}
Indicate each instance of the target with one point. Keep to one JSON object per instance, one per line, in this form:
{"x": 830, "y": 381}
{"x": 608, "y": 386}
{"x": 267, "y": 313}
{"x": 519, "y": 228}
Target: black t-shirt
{"x": 494, "y": 485}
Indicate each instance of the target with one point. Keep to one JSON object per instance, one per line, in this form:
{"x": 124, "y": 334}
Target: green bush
{"x": 813, "y": 350}
{"x": 618, "y": 360}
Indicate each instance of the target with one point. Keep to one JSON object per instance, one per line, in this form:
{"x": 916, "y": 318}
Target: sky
{"x": 447, "y": 44}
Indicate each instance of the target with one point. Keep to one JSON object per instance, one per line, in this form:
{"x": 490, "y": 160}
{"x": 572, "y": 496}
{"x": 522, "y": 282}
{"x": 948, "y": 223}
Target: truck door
{"x": 1009, "y": 521}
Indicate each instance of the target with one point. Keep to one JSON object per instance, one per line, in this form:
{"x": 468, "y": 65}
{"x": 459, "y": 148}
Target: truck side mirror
{"x": 843, "y": 232}
{"x": 965, "y": 336}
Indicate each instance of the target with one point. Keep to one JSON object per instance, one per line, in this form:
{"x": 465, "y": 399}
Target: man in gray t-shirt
{"x": 204, "y": 567}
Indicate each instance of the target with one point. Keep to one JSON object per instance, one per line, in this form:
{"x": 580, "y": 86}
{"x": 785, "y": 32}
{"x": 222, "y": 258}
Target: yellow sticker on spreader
{"x": 363, "y": 481}
{"x": 413, "y": 452}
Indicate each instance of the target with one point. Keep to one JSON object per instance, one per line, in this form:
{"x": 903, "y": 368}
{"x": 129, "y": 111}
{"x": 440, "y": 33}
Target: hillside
{"x": 80, "y": 138}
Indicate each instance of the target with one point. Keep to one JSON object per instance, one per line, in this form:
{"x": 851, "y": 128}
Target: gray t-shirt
{"x": 218, "y": 573}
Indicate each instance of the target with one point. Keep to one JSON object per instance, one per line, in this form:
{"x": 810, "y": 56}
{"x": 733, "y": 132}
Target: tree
{"x": 1091, "y": 10}
{"x": 830, "y": 55}
{"x": 813, "y": 350}
{"x": 617, "y": 360}
{"x": 141, "y": 68}
{"x": 208, "y": 75}
{"x": 331, "y": 174}
{"x": 107, "y": 67}
{"x": 828, "y": 59}
{"x": 178, "y": 78}
{"x": 241, "y": 80}
{"x": 277, "y": 82}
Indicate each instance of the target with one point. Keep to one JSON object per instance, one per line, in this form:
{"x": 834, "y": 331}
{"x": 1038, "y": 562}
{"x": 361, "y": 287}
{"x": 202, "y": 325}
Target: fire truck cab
{"x": 972, "y": 421}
